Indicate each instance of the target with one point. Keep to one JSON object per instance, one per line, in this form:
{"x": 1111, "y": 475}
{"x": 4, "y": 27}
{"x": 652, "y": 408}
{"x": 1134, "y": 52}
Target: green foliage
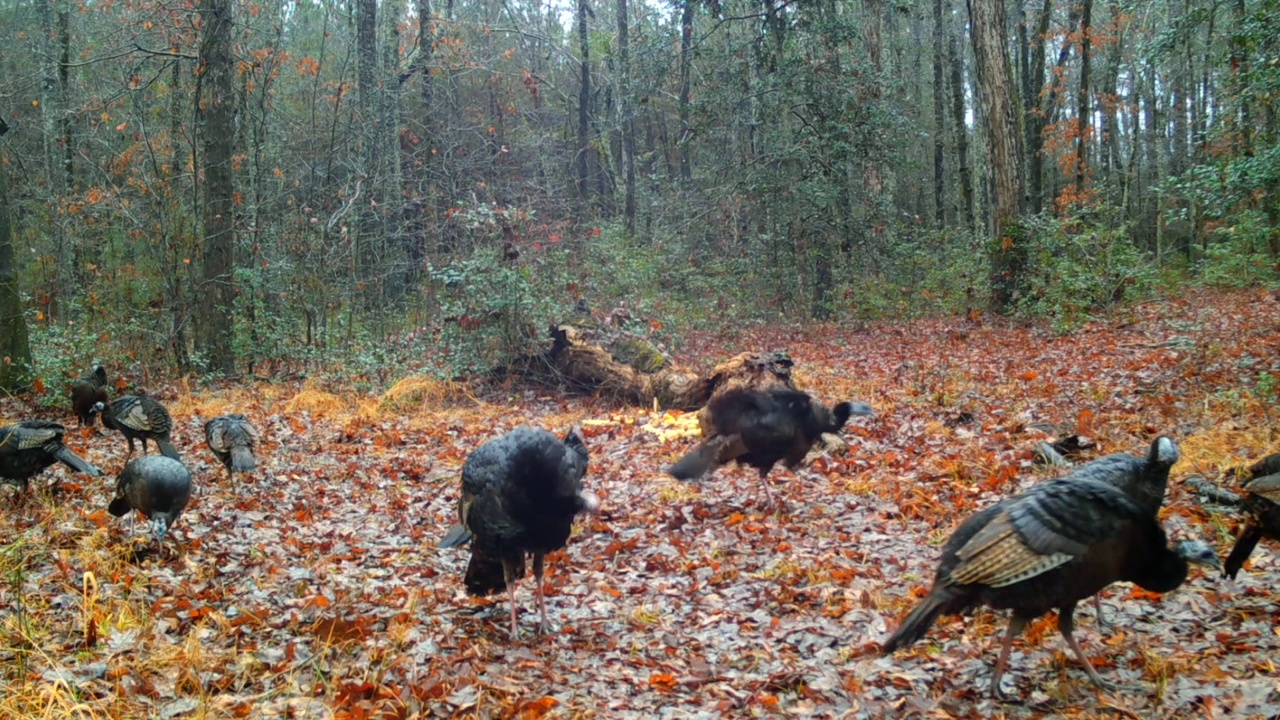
{"x": 1268, "y": 388}
{"x": 1076, "y": 267}
{"x": 1237, "y": 255}
{"x": 923, "y": 272}
{"x": 62, "y": 353}
{"x": 493, "y": 307}
{"x": 659, "y": 280}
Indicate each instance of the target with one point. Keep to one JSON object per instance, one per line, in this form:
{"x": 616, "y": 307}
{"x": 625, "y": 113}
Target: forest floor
{"x": 314, "y": 588}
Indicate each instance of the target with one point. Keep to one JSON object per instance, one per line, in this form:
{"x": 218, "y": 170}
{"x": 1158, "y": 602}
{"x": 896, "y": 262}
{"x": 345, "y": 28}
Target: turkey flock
{"x": 1047, "y": 549}
{"x": 160, "y": 486}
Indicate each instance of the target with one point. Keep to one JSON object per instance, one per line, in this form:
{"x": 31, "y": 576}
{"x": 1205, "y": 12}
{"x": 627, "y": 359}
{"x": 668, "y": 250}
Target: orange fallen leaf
{"x": 662, "y": 682}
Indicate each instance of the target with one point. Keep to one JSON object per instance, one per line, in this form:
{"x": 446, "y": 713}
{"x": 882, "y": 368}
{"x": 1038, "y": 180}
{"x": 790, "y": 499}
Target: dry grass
{"x": 319, "y": 403}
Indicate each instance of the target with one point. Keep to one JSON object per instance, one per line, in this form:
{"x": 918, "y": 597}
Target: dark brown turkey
{"x": 520, "y": 493}
{"x": 29, "y": 446}
{"x": 1262, "y": 511}
{"x": 158, "y": 487}
{"x": 760, "y": 429}
{"x": 87, "y": 391}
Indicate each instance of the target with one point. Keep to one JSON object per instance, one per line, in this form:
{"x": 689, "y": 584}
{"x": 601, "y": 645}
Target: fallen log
{"x": 627, "y": 368}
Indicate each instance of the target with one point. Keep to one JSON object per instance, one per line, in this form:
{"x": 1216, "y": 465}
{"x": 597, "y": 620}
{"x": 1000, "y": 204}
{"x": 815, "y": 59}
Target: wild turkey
{"x": 520, "y": 493}
{"x": 1056, "y": 544}
{"x": 232, "y": 439}
{"x": 1143, "y": 480}
{"x": 158, "y": 487}
{"x": 29, "y": 446}
{"x": 1262, "y": 508}
{"x": 86, "y": 391}
{"x": 761, "y": 428}
{"x": 141, "y": 417}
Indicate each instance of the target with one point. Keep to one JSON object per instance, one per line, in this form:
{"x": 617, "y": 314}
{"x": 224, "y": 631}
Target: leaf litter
{"x": 313, "y": 587}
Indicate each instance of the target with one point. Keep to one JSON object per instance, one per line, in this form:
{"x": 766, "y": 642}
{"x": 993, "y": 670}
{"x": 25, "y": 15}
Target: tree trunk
{"x": 54, "y": 52}
{"x": 686, "y": 59}
{"x": 368, "y": 227}
{"x": 627, "y": 123}
{"x": 1004, "y": 141}
{"x": 873, "y": 163}
{"x": 939, "y": 169}
{"x": 1239, "y": 63}
{"x": 1110, "y": 161}
{"x": 1082, "y": 101}
{"x": 1036, "y": 119}
{"x": 16, "y": 368}
{"x": 584, "y": 103}
{"x": 956, "y": 54}
{"x": 218, "y": 105}
{"x": 395, "y": 266}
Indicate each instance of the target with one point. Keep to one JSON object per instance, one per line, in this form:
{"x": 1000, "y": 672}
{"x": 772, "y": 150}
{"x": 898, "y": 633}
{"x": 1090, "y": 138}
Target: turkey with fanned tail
{"x": 760, "y": 429}
{"x": 520, "y": 493}
{"x": 1047, "y": 549}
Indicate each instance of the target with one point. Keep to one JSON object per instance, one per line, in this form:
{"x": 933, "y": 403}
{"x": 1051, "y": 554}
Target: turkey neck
{"x": 1149, "y": 494}
{"x": 1159, "y": 574}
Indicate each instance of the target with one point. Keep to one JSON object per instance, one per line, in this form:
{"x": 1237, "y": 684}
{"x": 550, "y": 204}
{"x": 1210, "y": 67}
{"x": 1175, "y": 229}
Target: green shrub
{"x": 1237, "y": 255}
{"x": 1076, "y": 267}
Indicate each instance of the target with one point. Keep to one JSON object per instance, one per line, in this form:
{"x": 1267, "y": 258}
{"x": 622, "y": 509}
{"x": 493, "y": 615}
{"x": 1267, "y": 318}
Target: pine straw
{"x": 206, "y": 403}
{"x": 319, "y": 403}
{"x": 1213, "y": 451}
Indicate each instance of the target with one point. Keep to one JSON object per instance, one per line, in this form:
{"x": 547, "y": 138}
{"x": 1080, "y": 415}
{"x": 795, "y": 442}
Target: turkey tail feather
{"x": 167, "y": 449}
{"x": 1243, "y": 548}
{"x": 919, "y": 621}
{"x": 242, "y": 459}
{"x": 695, "y": 463}
{"x": 457, "y": 535}
{"x": 75, "y": 462}
{"x": 715, "y": 450}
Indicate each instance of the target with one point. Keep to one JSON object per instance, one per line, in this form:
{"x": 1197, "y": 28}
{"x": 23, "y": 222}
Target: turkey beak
{"x": 588, "y": 502}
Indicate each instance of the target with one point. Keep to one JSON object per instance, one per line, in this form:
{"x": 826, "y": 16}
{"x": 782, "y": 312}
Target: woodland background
{"x": 242, "y": 187}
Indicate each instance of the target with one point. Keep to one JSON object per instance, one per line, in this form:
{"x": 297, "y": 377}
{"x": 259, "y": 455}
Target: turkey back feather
{"x": 28, "y": 447}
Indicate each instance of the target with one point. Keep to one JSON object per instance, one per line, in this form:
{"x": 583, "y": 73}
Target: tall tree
{"x": 955, "y": 51}
{"x": 368, "y": 226}
{"x": 1082, "y": 100}
{"x": 217, "y": 101}
{"x": 584, "y": 104}
{"x": 1004, "y": 144}
{"x": 686, "y": 60}
{"x": 626, "y": 122}
{"x": 15, "y": 348}
{"x": 939, "y": 127}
